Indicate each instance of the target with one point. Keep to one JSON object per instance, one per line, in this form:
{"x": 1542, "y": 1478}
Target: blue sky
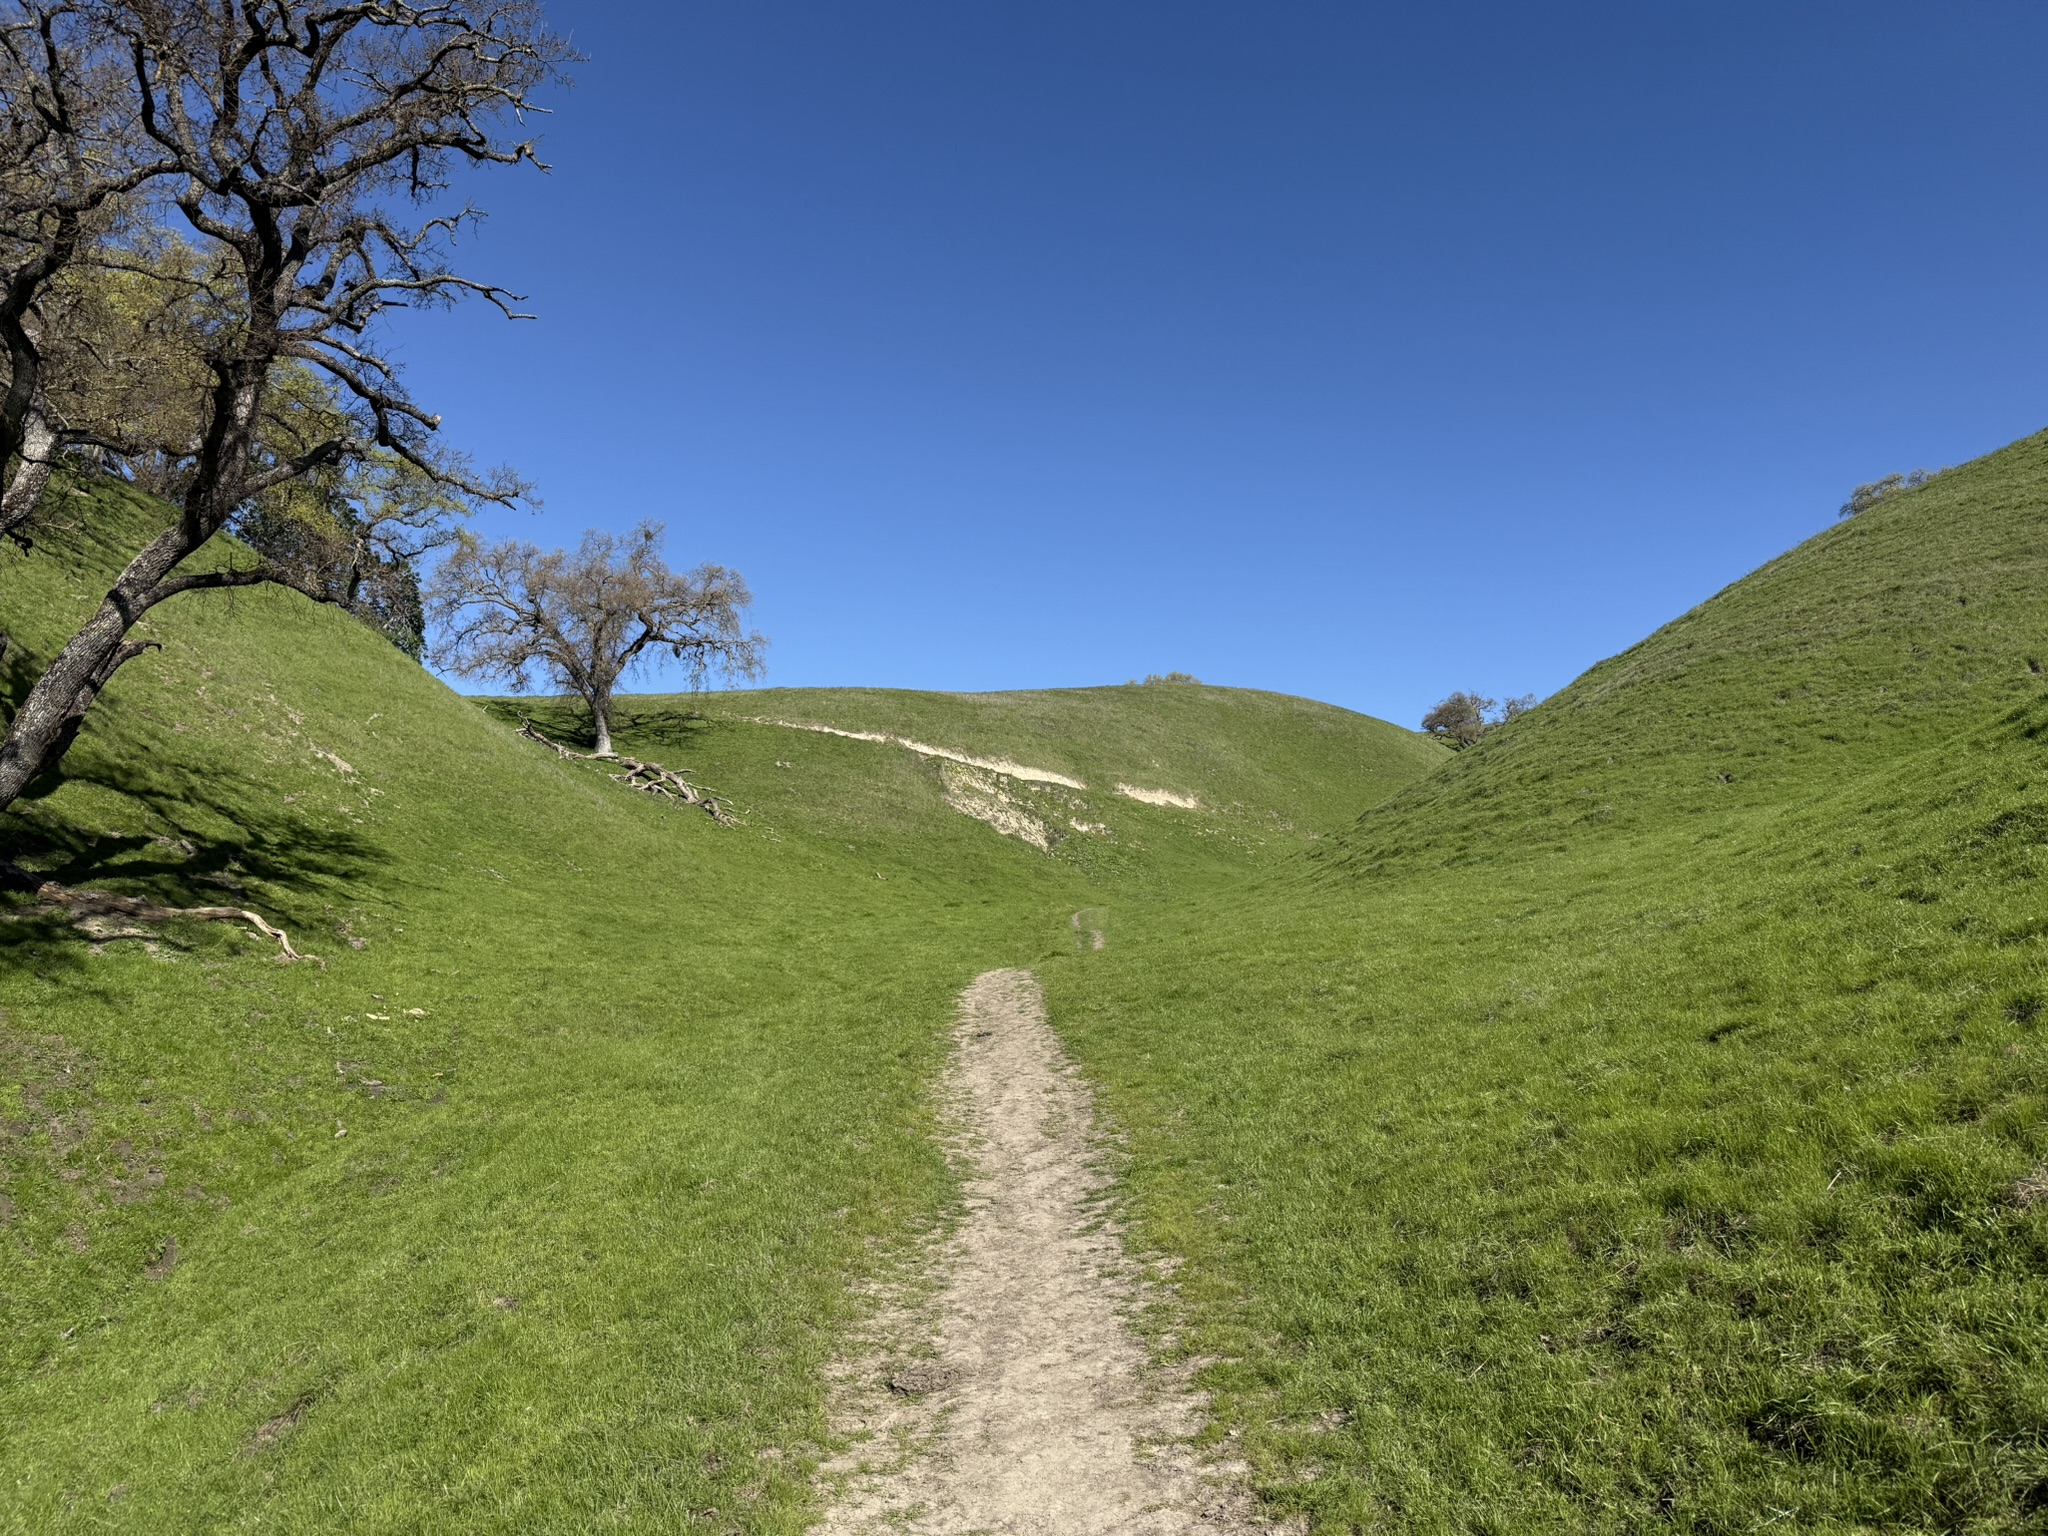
{"x": 1363, "y": 352}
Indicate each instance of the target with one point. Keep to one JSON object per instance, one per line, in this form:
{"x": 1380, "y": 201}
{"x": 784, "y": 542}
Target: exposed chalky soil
{"x": 1017, "y": 1398}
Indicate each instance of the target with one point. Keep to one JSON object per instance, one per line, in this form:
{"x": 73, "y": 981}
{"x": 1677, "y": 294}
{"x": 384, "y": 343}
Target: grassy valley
{"x": 539, "y": 1206}
{"x": 1627, "y": 1124}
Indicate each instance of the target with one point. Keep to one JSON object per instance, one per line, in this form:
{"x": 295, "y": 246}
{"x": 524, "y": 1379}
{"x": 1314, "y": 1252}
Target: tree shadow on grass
{"x": 667, "y": 726}
{"x": 219, "y": 839}
{"x": 567, "y": 721}
{"x": 182, "y": 862}
{"x": 561, "y": 720}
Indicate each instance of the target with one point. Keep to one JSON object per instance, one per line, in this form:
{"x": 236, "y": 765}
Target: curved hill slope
{"x": 1309, "y": 762}
{"x": 1645, "y": 1127}
{"x": 1891, "y": 632}
{"x": 1144, "y": 782}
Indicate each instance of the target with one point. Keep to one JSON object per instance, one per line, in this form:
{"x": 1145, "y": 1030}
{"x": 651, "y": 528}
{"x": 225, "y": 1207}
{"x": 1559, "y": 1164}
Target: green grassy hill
{"x": 1633, "y": 1124}
{"x": 1638, "y": 1125}
{"x": 1897, "y": 630}
{"x": 1269, "y": 775}
{"x": 540, "y": 1207}
{"x": 1233, "y": 749}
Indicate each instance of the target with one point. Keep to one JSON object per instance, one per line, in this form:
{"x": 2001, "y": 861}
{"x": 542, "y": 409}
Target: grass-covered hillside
{"x": 1233, "y": 750}
{"x": 542, "y": 1206}
{"x": 1635, "y": 1123}
{"x": 1243, "y": 780}
{"x": 1639, "y": 1125}
{"x": 1903, "y": 628}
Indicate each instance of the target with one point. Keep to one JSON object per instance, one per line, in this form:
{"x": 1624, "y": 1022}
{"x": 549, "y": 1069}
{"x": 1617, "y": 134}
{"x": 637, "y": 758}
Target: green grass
{"x": 1621, "y": 1127}
{"x": 665, "y": 1094}
{"x": 1621, "y": 1130}
{"x": 665, "y": 1090}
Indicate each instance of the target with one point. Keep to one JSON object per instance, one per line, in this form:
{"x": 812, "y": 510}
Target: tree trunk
{"x": 48, "y": 720}
{"x": 25, "y": 491}
{"x": 43, "y": 729}
{"x": 601, "y": 724}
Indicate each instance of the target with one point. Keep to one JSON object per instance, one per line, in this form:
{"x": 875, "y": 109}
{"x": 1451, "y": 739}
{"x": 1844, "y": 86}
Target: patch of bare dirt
{"x": 1001, "y": 765}
{"x": 1159, "y": 797}
{"x": 986, "y": 797}
{"x": 272, "y": 1430}
{"x": 1017, "y": 1399}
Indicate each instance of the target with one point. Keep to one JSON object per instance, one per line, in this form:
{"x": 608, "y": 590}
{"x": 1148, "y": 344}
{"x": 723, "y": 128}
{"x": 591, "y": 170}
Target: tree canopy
{"x": 1463, "y": 719}
{"x": 242, "y": 365}
{"x": 582, "y": 619}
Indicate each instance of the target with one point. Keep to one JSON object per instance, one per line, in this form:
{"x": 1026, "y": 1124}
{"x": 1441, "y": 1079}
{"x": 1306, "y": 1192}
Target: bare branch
{"x": 292, "y": 137}
{"x": 81, "y": 903}
{"x": 585, "y": 620}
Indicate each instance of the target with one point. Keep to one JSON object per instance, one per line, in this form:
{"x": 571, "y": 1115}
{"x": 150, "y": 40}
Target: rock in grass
{"x": 917, "y": 1380}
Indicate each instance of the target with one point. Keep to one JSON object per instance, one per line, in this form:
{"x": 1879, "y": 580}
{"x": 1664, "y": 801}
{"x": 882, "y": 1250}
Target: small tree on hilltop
{"x": 1464, "y": 718}
{"x": 584, "y": 620}
{"x": 1866, "y": 496}
{"x": 1460, "y": 719}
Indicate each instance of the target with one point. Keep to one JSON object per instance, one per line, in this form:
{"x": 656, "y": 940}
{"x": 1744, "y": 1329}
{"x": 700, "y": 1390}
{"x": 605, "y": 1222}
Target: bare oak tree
{"x": 310, "y": 145}
{"x": 584, "y": 620}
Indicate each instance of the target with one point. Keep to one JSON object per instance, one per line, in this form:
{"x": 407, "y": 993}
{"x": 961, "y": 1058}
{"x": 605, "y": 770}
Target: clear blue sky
{"x": 1363, "y": 352}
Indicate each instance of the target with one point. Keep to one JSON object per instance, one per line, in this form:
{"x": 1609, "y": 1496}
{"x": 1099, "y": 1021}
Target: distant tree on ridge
{"x": 1464, "y": 718}
{"x": 1868, "y": 495}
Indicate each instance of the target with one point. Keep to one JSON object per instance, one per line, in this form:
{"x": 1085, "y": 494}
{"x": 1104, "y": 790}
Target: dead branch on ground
{"x": 667, "y": 783}
{"x": 80, "y": 904}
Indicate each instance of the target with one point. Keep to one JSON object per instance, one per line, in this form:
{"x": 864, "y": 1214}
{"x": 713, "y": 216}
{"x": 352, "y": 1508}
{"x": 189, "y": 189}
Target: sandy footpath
{"x": 1016, "y": 1399}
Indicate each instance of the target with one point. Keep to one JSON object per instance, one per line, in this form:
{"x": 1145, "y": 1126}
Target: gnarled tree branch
{"x": 668, "y": 783}
{"x": 296, "y": 134}
{"x": 80, "y": 903}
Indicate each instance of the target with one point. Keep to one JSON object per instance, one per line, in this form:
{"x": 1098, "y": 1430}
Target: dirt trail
{"x": 1017, "y": 1400}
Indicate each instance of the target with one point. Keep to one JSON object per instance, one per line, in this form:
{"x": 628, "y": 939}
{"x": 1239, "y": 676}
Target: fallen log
{"x": 79, "y": 903}
{"x": 651, "y": 778}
